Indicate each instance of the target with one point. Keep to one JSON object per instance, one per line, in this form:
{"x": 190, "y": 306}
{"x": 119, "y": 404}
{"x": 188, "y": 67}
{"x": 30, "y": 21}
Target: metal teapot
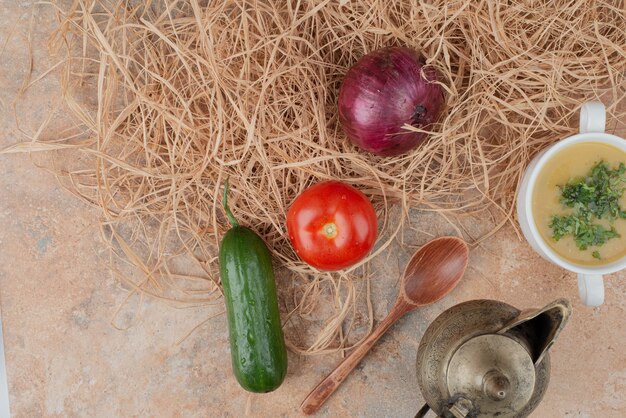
{"x": 487, "y": 358}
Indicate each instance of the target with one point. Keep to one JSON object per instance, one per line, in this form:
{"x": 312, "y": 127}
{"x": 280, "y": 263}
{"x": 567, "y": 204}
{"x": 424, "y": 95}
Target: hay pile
{"x": 187, "y": 93}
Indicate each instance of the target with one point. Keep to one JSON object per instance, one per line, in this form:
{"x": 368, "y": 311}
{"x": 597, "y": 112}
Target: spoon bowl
{"x": 432, "y": 273}
{"x": 434, "y": 270}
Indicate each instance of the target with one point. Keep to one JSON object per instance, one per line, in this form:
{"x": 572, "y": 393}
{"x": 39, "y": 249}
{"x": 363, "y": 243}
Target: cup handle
{"x": 591, "y": 289}
{"x": 592, "y": 117}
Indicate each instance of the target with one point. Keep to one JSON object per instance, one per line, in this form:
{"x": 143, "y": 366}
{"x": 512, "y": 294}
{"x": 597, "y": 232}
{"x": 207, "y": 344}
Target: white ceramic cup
{"x": 590, "y": 282}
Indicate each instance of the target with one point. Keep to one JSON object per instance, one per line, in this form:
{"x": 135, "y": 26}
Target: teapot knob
{"x": 496, "y": 385}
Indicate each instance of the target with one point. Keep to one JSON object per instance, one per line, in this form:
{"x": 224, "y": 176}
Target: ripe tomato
{"x": 331, "y": 225}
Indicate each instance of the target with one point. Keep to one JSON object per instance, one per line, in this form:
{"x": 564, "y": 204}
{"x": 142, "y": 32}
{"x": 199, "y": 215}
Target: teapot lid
{"x": 494, "y": 372}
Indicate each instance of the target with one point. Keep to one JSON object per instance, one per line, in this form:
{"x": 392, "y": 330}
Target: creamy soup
{"x": 573, "y": 162}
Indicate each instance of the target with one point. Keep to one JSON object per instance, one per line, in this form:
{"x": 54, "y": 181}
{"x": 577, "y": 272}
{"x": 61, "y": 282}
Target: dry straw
{"x": 183, "y": 94}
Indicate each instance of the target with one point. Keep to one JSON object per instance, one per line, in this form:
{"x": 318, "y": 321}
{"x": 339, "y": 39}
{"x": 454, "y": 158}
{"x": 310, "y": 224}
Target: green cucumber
{"x": 257, "y": 346}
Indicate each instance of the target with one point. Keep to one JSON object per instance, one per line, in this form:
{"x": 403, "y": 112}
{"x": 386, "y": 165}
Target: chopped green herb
{"x": 593, "y": 197}
{"x": 597, "y": 194}
{"x": 585, "y": 233}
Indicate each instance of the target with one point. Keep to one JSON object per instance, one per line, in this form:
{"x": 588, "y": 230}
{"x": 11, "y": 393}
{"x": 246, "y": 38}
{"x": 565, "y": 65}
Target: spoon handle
{"x": 322, "y": 391}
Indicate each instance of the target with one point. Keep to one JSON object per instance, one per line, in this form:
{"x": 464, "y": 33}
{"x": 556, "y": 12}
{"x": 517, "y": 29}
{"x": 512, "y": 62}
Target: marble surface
{"x": 70, "y": 353}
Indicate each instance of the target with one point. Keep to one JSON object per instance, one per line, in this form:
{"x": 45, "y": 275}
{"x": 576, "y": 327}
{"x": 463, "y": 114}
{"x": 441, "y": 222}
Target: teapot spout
{"x": 538, "y": 329}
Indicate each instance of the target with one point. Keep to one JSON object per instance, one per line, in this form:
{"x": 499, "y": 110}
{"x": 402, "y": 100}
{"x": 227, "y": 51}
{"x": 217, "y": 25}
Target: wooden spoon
{"x": 433, "y": 271}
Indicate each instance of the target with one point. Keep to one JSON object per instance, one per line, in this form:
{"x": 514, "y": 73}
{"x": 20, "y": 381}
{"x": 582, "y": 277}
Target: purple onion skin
{"x": 383, "y": 91}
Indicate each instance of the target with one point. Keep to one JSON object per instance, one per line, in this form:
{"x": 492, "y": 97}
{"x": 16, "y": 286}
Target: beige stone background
{"x": 58, "y": 299}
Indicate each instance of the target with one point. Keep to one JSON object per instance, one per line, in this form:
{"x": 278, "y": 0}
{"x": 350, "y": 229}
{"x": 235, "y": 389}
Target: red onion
{"x": 383, "y": 91}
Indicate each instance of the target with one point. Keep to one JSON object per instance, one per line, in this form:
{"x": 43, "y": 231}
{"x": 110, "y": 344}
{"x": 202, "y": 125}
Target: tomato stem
{"x": 229, "y": 214}
{"x": 330, "y": 230}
